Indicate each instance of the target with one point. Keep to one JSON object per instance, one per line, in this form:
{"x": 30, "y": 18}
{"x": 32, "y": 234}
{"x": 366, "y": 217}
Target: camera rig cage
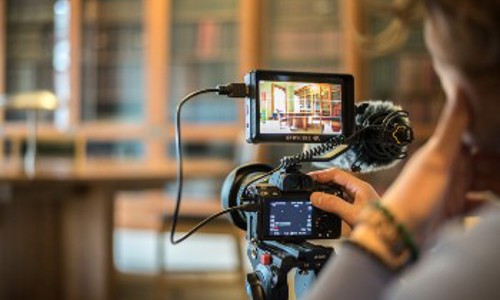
{"x": 248, "y": 191}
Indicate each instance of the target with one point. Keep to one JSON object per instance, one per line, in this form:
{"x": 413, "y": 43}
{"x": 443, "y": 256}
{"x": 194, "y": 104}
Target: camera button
{"x": 266, "y": 259}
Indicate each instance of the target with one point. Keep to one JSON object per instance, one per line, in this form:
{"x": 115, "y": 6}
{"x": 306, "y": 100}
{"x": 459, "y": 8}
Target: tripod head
{"x": 272, "y": 261}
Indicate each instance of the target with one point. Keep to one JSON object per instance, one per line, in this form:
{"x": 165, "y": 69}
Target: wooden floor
{"x": 179, "y": 287}
{"x": 203, "y": 267}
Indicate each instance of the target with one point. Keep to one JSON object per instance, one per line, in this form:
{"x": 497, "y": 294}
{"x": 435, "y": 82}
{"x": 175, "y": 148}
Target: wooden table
{"x": 56, "y": 229}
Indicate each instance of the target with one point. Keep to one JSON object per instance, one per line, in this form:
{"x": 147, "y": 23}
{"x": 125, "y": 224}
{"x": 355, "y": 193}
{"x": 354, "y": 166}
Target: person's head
{"x": 463, "y": 39}
{"x": 464, "y": 35}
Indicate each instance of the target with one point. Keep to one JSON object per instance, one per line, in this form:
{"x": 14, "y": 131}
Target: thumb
{"x": 335, "y": 205}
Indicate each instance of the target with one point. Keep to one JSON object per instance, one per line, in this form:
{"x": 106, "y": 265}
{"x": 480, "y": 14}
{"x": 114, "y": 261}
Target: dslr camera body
{"x": 282, "y": 209}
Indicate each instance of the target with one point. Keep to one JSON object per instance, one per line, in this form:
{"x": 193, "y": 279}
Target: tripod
{"x": 271, "y": 261}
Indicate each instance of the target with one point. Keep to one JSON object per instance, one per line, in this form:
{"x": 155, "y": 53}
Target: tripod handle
{"x": 259, "y": 288}
{"x": 254, "y": 287}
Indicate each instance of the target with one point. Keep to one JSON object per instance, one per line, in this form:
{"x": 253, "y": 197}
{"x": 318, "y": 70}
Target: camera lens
{"x": 232, "y": 189}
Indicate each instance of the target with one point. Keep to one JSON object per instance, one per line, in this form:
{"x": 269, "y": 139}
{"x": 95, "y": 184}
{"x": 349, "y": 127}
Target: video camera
{"x": 272, "y": 204}
{"x": 289, "y": 107}
{"x": 283, "y": 211}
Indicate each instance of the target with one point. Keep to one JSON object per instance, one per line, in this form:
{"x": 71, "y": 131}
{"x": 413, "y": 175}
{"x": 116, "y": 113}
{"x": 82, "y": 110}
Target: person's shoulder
{"x": 488, "y": 225}
{"x": 472, "y": 241}
{"x": 464, "y": 264}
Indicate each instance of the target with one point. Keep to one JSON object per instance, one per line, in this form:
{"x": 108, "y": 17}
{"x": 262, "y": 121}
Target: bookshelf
{"x": 29, "y": 40}
{"x": 303, "y": 35}
{"x": 123, "y": 65}
{"x": 407, "y": 78}
{"x": 128, "y": 62}
{"x": 112, "y": 73}
{"x": 309, "y": 36}
{"x": 131, "y": 61}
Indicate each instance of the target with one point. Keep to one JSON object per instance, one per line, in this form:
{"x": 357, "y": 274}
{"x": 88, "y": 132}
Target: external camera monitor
{"x": 297, "y": 107}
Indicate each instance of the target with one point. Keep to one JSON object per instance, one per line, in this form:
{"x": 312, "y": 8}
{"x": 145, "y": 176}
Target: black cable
{"x": 233, "y": 90}
{"x": 386, "y": 151}
{"x": 239, "y": 90}
{"x": 247, "y": 207}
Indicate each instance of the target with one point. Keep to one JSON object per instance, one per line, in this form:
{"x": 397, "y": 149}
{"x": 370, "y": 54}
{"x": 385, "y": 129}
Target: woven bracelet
{"x": 403, "y": 232}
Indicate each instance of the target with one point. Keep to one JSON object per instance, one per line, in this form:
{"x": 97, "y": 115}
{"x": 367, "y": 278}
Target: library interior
{"x": 88, "y": 166}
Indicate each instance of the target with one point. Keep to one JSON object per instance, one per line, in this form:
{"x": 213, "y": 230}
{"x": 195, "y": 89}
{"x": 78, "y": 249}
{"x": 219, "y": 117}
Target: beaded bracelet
{"x": 393, "y": 234}
{"x": 403, "y": 232}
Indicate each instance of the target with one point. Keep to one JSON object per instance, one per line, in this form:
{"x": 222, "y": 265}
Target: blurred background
{"x": 86, "y": 217}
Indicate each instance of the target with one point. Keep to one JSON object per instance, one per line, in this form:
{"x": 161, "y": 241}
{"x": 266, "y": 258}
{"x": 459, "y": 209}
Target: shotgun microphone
{"x": 381, "y": 138}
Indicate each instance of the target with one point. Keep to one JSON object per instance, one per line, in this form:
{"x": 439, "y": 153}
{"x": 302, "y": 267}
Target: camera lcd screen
{"x": 290, "y": 218}
{"x": 288, "y": 107}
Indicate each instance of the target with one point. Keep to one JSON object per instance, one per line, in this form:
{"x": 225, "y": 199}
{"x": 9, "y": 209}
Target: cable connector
{"x": 233, "y": 90}
{"x": 250, "y": 207}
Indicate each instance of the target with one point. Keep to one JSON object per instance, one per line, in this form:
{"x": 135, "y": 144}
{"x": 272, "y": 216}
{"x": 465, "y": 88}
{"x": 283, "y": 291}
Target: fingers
{"x": 360, "y": 191}
{"x": 353, "y": 185}
{"x": 336, "y": 205}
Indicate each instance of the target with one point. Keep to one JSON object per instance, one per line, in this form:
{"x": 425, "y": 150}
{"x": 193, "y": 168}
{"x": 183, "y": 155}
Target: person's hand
{"x": 418, "y": 198}
{"x": 359, "y": 191}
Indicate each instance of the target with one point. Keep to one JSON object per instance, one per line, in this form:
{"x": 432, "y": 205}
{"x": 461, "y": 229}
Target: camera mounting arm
{"x": 272, "y": 261}
{"x": 328, "y": 151}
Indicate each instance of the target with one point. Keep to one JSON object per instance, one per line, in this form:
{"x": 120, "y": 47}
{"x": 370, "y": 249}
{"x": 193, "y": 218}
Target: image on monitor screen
{"x": 300, "y": 107}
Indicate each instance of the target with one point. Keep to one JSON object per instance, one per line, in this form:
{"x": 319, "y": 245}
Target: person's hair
{"x": 471, "y": 41}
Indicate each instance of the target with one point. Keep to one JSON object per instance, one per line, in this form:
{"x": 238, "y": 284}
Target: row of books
{"x": 114, "y": 11}
{"x": 416, "y": 74}
{"x": 405, "y": 73}
{"x": 28, "y": 76}
{"x": 304, "y": 35}
{"x": 30, "y": 11}
{"x": 113, "y": 59}
{"x": 209, "y": 108}
{"x": 116, "y": 93}
{"x": 424, "y": 109}
{"x": 123, "y": 149}
{"x": 305, "y": 13}
{"x": 205, "y": 7}
{"x": 29, "y": 44}
{"x": 114, "y": 38}
{"x": 113, "y": 111}
{"x": 204, "y": 49}
{"x": 313, "y": 45}
{"x": 207, "y": 39}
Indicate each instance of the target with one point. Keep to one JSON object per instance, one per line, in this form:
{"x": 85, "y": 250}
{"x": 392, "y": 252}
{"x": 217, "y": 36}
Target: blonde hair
{"x": 401, "y": 13}
{"x": 471, "y": 41}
